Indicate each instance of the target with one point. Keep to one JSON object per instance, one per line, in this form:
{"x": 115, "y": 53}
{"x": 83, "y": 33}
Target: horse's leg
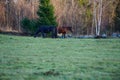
{"x": 63, "y": 35}
{"x": 36, "y": 33}
{"x": 43, "y": 34}
{"x": 54, "y": 33}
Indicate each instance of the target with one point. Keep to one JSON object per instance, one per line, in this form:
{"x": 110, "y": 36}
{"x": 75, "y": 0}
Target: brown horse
{"x": 63, "y": 30}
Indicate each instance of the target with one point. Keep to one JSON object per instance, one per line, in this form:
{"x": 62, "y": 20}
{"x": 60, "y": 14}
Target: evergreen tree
{"x": 46, "y": 13}
{"x": 117, "y": 18}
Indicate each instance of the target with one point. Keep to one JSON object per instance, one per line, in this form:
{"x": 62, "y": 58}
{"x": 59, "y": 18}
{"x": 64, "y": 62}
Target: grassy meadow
{"x": 28, "y": 58}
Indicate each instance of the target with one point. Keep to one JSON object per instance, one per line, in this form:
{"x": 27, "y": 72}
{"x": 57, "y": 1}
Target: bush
{"x": 29, "y": 25}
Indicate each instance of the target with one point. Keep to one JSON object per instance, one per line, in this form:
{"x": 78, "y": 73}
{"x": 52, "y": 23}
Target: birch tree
{"x": 97, "y": 15}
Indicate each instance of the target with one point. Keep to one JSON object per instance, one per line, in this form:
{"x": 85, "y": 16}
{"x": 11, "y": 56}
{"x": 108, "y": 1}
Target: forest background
{"x": 86, "y": 17}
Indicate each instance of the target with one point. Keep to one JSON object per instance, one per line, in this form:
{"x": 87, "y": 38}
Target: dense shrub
{"x": 28, "y": 25}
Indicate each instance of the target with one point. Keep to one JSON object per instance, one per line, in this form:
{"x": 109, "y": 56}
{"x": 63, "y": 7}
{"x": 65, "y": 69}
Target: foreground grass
{"x": 28, "y": 58}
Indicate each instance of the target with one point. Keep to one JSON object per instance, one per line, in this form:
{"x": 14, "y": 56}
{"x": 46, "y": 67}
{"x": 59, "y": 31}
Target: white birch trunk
{"x": 97, "y": 16}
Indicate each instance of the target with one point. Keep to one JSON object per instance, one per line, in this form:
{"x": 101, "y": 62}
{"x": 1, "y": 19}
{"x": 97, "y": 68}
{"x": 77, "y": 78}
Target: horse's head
{"x": 68, "y": 28}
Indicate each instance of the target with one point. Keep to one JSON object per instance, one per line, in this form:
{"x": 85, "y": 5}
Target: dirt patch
{"x": 51, "y": 72}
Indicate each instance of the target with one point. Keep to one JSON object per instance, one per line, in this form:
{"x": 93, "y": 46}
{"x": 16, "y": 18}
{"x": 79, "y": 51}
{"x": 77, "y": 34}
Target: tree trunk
{"x": 97, "y": 12}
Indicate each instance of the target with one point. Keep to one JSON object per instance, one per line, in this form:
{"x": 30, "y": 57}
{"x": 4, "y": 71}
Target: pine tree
{"x": 46, "y": 13}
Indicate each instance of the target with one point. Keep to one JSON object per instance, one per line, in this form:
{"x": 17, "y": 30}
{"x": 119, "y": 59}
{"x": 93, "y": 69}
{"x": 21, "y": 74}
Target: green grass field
{"x": 28, "y": 58}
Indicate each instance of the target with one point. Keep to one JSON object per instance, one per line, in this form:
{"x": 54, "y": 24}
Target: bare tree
{"x": 85, "y": 16}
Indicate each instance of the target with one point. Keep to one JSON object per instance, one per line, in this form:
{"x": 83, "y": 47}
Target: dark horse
{"x": 46, "y": 29}
{"x": 64, "y": 30}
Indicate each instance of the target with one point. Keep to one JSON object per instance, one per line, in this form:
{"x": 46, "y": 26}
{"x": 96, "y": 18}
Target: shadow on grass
{"x": 16, "y": 33}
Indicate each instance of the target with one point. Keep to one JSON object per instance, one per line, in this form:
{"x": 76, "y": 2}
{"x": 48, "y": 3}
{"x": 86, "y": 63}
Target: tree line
{"x": 84, "y": 16}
